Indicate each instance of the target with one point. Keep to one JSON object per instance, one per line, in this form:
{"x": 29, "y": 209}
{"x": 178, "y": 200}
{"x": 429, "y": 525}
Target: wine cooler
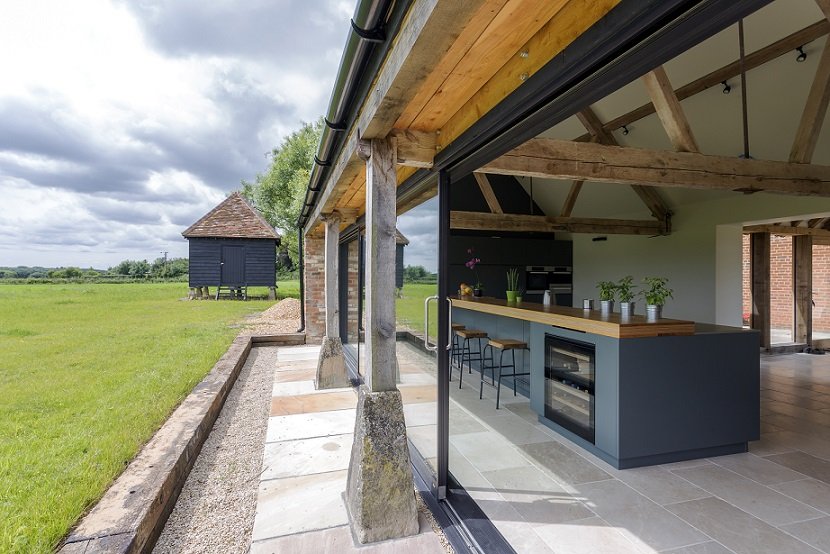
{"x": 569, "y": 385}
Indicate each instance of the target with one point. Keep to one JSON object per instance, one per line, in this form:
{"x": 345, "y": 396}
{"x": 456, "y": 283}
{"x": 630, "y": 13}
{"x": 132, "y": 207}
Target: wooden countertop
{"x": 589, "y": 321}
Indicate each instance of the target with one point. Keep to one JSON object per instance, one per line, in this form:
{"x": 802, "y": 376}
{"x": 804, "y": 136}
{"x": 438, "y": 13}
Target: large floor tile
{"x": 306, "y": 456}
{"x": 736, "y": 529}
{"x": 638, "y": 518}
{"x": 660, "y": 485}
{"x": 288, "y": 375}
{"x": 809, "y": 491}
{"x": 294, "y": 505}
{"x": 315, "y": 402}
{"x": 562, "y": 463}
{"x": 760, "y": 501}
{"x": 425, "y": 439}
{"x": 772, "y": 443}
{"x": 588, "y": 536}
{"x": 758, "y": 469}
{"x": 421, "y": 413}
{"x": 804, "y": 463}
{"x": 306, "y": 426}
{"x": 710, "y": 547}
{"x": 815, "y": 532}
{"x": 515, "y": 429}
{"x": 487, "y": 452}
{"x": 292, "y": 388}
{"x": 536, "y": 497}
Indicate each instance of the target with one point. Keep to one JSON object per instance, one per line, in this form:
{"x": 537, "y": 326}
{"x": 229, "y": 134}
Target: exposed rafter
{"x": 649, "y": 195}
{"x": 787, "y": 230}
{"x": 570, "y": 201}
{"x": 561, "y": 159}
{"x": 753, "y": 60}
{"x": 814, "y": 112}
{"x": 487, "y": 191}
{"x": 825, "y": 7}
{"x": 538, "y": 223}
{"x": 415, "y": 148}
{"x": 669, "y": 110}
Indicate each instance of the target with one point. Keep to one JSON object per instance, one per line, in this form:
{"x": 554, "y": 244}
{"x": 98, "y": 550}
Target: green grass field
{"x": 87, "y": 374}
{"x": 409, "y": 308}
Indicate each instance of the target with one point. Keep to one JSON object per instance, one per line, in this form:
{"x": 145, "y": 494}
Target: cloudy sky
{"x": 122, "y": 122}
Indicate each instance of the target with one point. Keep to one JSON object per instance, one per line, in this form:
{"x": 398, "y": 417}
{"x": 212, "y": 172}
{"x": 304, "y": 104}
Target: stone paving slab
{"x": 306, "y": 456}
{"x": 318, "y": 424}
{"x": 297, "y": 504}
{"x": 315, "y": 402}
{"x": 339, "y": 539}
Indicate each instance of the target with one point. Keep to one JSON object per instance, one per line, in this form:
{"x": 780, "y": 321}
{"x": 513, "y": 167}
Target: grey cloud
{"x": 292, "y": 32}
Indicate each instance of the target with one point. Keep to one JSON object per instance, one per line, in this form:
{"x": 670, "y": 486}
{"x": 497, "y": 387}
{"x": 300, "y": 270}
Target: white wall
{"x": 701, "y": 258}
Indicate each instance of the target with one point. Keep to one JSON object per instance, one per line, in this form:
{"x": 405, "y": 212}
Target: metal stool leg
{"x": 513, "y": 354}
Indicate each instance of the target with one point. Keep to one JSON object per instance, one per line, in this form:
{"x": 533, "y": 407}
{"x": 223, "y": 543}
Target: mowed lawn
{"x": 409, "y": 307}
{"x": 87, "y": 374}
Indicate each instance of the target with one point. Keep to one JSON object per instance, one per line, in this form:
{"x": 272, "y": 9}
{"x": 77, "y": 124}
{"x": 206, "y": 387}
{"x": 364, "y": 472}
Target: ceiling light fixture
{"x": 726, "y": 88}
{"x": 802, "y": 55}
{"x": 625, "y": 130}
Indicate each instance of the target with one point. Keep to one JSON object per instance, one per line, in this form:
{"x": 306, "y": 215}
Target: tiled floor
{"x": 300, "y": 505}
{"x": 547, "y": 495}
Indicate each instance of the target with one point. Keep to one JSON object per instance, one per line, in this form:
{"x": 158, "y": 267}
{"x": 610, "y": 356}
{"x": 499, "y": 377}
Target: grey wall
{"x": 205, "y": 255}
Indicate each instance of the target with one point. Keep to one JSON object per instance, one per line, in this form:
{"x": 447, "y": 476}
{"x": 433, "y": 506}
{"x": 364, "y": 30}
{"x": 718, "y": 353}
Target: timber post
{"x": 331, "y": 365}
{"x": 379, "y": 490}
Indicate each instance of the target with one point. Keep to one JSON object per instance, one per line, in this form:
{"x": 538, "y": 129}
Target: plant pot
{"x": 626, "y": 309}
{"x": 654, "y": 312}
{"x": 511, "y": 295}
{"x": 587, "y": 303}
{"x": 478, "y": 292}
{"x": 518, "y": 299}
{"x": 606, "y": 306}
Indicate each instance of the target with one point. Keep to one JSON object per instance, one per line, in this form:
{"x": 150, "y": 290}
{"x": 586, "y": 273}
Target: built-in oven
{"x": 537, "y": 279}
{"x": 570, "y": 373}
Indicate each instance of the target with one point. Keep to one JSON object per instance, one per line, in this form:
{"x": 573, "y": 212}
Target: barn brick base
{"x": 314, "y": 276}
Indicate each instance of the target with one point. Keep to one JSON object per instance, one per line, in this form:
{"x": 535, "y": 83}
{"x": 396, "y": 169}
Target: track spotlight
{"x": 802, "y": 55}
{"x": 625, "y": 130}
{"x": 726, "y": 88}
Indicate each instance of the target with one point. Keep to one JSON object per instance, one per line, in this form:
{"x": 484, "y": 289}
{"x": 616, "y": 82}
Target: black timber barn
{"x": 232, "y": 247}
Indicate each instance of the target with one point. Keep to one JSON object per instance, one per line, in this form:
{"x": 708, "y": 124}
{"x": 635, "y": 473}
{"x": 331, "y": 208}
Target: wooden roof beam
{"x": 487, "y": 192}
{"x": 649, "y": 195}
{"x": 825, "y": 7}
{"x": 669, "y": 110}
{"x": 543, "y": 224}
{"x": 815, "y": 110}
{"x": 562, "y": 159}
{"x": 570, "y": 201}
{"x": 415, "y": 148}
{"x": 730, "y": 71}
{"x": 787, "y": 230}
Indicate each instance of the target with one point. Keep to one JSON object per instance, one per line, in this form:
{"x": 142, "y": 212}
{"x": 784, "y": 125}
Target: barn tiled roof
{"x": 400, "y": 238}
{"x": 233, "y": 218}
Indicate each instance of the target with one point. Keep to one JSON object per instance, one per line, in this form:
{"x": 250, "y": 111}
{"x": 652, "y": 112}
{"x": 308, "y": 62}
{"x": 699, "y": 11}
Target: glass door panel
{"x": 417, "y": 281}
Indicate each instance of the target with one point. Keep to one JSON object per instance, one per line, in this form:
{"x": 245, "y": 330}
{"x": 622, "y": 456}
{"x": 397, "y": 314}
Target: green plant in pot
{"x": 625, "y": 292}
{"x": 607, "y": 292}
{"x": 512, "y": 284}
{"x": 656, "y": 295}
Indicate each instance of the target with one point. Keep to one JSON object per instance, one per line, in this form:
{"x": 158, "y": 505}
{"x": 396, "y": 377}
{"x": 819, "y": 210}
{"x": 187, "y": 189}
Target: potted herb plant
{"x": 607, "y": 292}
{"x": 656, "y": 295}
{"x": 478, "y": 288}
{"x": 512, "y": 284}
{"x": 625, "y": 292}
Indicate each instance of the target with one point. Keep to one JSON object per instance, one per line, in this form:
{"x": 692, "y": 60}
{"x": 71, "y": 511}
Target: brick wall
{"x": 314, "y": 288}
{"x": 781, "y": 253}
{"x": 821, "y": 289}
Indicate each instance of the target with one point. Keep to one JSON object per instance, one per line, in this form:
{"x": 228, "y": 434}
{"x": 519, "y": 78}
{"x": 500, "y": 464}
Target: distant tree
{"x": 139, "y": 268}
{"x": 279, "y": 192}
{"x": 91, "y": 273}
{"x": 7, "y": 274}
{"x": 123, "y": 268}
{"x": 415, "y": 273}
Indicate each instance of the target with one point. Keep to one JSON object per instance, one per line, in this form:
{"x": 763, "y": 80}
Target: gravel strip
{"x": 215, "y": 511}
{"x": 282, "y": 317}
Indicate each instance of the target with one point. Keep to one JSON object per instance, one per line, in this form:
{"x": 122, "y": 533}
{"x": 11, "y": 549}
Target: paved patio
{"x": 300, "y": 507}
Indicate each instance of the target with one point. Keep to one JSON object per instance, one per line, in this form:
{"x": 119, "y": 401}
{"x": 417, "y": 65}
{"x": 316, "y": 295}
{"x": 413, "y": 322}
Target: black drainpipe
{"x": 302, "y": 284}
{"x": 371, "y": 26}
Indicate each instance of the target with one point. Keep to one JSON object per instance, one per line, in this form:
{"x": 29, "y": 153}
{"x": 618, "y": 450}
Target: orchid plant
{"x": 472, "y": 263}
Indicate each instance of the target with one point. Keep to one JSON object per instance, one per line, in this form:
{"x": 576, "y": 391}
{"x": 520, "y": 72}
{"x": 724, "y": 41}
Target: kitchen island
{"x": 632, "y": 391}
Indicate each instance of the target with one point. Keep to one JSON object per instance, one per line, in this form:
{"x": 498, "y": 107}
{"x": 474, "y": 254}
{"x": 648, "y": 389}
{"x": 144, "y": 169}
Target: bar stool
{"x": 455, "y": 350}
{"x": 467, "y": 336}
{"x": 503, "y": 345}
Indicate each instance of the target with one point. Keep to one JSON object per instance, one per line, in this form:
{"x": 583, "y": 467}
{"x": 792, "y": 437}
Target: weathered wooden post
{"x": 331, "y": 366}
{"x": 272, "y": 293}
{"x": 379, "y": 493}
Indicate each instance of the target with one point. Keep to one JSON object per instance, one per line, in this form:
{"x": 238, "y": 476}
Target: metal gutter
{"x": 373, "y": 24}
